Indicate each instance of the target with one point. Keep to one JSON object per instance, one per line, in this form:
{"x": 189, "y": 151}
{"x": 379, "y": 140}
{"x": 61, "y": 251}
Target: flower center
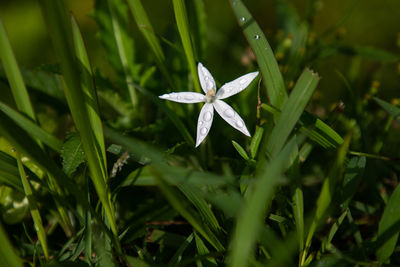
{"x": 210, "y": 96}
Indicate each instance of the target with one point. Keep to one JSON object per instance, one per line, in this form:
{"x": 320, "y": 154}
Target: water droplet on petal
{"x": 242, "y": 81}
{"x": 179, "y": 97}
{"x": 200, "y": 123}
{"x": 229, "y": 113}
{"x": 207, "y": 116}
{"x": 188, "y": 97}
{"x": 242, "y": 19}
{"x": 206, "y": 78}
{"x": 256, "y": 36}
{"x": 239, "y": 124}
{"x": 203, "y": 130}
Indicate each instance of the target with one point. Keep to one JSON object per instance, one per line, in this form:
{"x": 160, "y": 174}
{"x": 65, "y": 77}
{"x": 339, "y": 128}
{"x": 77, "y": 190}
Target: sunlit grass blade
{"x": 240, "y": 150}
{"x": 389, "y": 226}
{"x": 255, "y": 141}
{"x": 183, "y": 28}
{"x": 251, "y": 217}
{"x": 9, "y": 173}
{"x": 269, "y": 68}
{"x": 60, "y": 31}
{"x": 326, "y": 195}
{"x": 14, "y": 76}
{"x": 147, "y": 30}
{"x": 33, "y": 207}
{"x": 315, "y": 128}
{"x": 29, "y": 126}
{"x": 291, "y": 111}
{"x": 124, "y": 48}
{"x": 89, "y": 91}
{"x": 8, "y": 257}
{"x": 392, "y": 110}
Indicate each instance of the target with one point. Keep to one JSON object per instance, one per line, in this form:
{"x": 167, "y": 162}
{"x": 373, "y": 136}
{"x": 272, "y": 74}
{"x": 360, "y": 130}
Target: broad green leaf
{"x": 72, "y": 153}
{"x": 32, "y": 128}
{"x": 183, "y": 28}
{"x": 14, "y": 76}
{"x": 269, "y": 68}
{"x": 389, "y": 226}
{"x": 392, "y": 110}
{"x": 250, "y": 219}
{"x": 144, "y": 25}
{"x": 8, "y": 255}
{"x": 240, "y": 150}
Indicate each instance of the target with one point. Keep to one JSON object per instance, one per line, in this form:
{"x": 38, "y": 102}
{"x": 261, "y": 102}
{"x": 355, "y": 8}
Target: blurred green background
{"x": 368, "y": 23}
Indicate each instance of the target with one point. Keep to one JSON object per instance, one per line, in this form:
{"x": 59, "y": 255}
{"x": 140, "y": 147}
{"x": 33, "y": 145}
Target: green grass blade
{"x": 240, "y": 150}
{"x": 90, "y": 92}
{"x": 8, "y": 257}
{"x": 144, "y": 25}
{"x": 183, "y": 28}
{"x": 13, "y": 72}
{"x": 392, "y": 110}
{"x": 33, "y": 207}
{"x": 269, "y": 68}
{"x": 9, "y": 173}
{"x": 193, "y": 194}
{"x": 326, "y": 195}
{"x": 351, "y": 180}
{"x": 124, "y": 47}
{"x": 32, "y": 128}
{"x": 251, "y": 217}
{"x": 292, "y": 111}
{"x": 255, "y": 141}
{"x": 60, "y": 31}
{"x": 178, "y": 202}
{"x": 389, "y": 226}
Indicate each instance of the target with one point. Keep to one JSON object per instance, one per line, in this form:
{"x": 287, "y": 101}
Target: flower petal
{"x": 230, "y": 116}
{"x": 236, "y": 85}
{"x": 184, "y": 97}
{"x": 206, "y": 79}
{"x": 204, "y": 122}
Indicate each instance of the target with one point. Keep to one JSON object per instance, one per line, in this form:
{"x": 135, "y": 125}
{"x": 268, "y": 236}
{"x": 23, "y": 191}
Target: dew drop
{"x": 229, "y": 113}
{"x": 256, "y": 36}
{"x": 206, "y": 78}
{"x": 239, "y": 124}
{"x": 207, "y": 116}
{"x": 179, "y": 97}
{"x": 242, "y": 81}
{"x": 188, "y": 97}
{"x": 200, "y": 123}
{"x": 203, "y": 130}
{"x": 242, "y": 19}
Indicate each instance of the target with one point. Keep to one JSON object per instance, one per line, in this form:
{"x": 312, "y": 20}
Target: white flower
{"x": 212, "y": 99}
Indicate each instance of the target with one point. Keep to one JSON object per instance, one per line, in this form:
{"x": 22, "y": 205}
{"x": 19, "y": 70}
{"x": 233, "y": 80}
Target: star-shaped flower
{"x": 212, "y": 99}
